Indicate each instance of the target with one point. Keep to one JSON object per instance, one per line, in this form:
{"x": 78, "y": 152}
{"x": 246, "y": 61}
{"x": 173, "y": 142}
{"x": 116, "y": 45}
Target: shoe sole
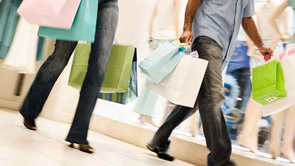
{"x": 151, "y": 149}
{"x": 27, "y": 126}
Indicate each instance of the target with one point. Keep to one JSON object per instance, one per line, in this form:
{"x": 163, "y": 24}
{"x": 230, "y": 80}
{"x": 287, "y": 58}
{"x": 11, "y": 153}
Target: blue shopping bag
{"x": 132, "y": 92}
{"x": 162, "y": 61}
{"x": 83, "y": 28}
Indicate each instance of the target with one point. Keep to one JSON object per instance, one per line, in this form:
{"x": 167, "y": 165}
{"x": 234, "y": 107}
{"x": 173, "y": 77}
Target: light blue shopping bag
{"x": 83, "y": 28}
{"x": 162, "y": 61}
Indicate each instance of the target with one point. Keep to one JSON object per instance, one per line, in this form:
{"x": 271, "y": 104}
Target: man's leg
{"x": 210, "y": 100}
{"x": 160, "y": 142}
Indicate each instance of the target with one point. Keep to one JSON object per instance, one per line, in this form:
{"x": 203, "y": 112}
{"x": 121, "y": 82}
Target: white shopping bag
{"x": 288, "y": 67}
{"x": 182, "y": 86}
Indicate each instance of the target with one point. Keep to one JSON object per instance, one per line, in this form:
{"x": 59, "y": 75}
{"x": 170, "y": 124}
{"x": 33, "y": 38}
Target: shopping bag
{"x": 52, "y": 13}
{"x": 182, "y": 86}
{"x": 161, "y": 62}
{"x": 268, "y": 83}
{"x": 83, "y": 28}
{"x": 288, "y": 68}
{"x": 117, "y": 77}
{"x": 132, "y": 92}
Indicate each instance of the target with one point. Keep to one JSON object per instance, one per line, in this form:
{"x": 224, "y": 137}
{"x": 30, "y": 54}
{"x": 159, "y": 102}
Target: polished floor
{"x": 46, "y": 147}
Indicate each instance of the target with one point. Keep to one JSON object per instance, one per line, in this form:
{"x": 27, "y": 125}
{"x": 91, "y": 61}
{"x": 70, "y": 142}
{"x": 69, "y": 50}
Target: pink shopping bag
{"x": 49, "y": 13}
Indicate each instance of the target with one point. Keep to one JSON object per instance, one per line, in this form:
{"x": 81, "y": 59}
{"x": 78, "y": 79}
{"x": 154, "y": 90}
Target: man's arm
{"x": 251, "y": 30}
{"x": 190, "y": 12}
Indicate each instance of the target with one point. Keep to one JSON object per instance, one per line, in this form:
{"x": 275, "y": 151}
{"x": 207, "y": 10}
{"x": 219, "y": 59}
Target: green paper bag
{"x": 131, "y": 94}
{"x": 268, "y": 83}
{"x": 83, "y": 28}
{"x": 117, "y": 77}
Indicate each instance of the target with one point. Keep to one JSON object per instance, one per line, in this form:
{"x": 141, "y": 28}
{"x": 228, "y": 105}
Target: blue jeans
{"x": 107, "y": 21}
{"x": 209, "y": 102}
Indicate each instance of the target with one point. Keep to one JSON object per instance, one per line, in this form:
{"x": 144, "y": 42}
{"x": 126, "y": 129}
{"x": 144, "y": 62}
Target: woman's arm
{"x": 152, "y": 21}
{"x": 286, "y": 25}
{"x": 275, "y": 15}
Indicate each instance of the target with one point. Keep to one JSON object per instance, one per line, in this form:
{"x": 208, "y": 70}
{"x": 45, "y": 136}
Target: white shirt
{"x": 264, "y": 28}
{"x": 165, "y": 20}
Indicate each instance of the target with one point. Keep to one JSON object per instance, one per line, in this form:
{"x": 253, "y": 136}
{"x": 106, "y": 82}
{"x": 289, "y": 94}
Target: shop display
{"x": 83, "y": 28}
{"x": 53, "y": 13}
{"x": 182, "y": 86}
{"x": 232, "y": 114}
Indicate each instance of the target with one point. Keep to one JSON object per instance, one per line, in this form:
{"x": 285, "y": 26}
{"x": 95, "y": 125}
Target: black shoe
{"x": 161, "y": 154}
{"x": 84, "y": 148}
{"x": 30, "y": 124}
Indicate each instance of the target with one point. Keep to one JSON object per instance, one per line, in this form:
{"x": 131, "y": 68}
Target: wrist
{"x": 260, "y": 45}
{"x": 187, "y": 27}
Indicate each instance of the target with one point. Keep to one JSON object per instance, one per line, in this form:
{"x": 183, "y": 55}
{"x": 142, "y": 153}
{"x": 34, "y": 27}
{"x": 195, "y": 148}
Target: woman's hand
{"x": 286, "y": 38}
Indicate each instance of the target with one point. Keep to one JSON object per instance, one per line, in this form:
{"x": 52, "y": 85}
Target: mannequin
{"x": 249, "y": 134}
{"x": 288, "y": 136}
{"x": 165, "y": 17}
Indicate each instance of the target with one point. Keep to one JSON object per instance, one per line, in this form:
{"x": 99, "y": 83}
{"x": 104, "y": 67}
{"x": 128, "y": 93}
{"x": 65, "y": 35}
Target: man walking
{"x": 211, "y": 26}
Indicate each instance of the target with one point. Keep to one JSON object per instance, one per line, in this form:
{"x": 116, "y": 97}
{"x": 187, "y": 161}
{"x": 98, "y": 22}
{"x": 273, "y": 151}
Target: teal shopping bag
{"x": 162, "y": 61}
{"x": 268, "y": 83}
{"x": 83, "y": 28}
{"x": 131, "y": 94}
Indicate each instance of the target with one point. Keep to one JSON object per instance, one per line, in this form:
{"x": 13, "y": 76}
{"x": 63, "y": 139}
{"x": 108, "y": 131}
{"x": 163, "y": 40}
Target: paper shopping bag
{"x": 182, "y": 86}
{"x": 288, "y": 68}
{"x": 132, "y": 92}
{"x": 83, "y": 28}
{"x": 268, "y": 83}
{"x": 161, "y": 62}
{"x": 117, "y": 77}
{"x": 53, "y": 13}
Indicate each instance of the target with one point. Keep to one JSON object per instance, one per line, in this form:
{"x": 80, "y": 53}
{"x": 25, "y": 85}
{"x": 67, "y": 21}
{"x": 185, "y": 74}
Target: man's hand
{"x": 266, "y": 52}
{"x": 190, "y": 12}
{"x": 186, "y": 37}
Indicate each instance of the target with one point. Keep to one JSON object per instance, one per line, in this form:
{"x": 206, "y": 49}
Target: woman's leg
{"x": 288, "y": 137}
{"x": 276, "y": 134}
{"x": 249, "y": 135}
{"x": 107, "y": 21}
{"x": 145, "y": 106}
{"x": 46, "y": 78}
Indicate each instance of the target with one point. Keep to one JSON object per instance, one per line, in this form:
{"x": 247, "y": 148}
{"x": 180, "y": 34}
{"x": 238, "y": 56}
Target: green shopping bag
{"x": 131, "y": 94}
{"x": 117, "y": 77}
{"x": 268, "y": 83}
{"x": 83, "y": 28}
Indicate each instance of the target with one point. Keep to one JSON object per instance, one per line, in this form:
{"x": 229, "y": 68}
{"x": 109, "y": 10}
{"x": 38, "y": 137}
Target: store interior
{"x": 256, "y": 140}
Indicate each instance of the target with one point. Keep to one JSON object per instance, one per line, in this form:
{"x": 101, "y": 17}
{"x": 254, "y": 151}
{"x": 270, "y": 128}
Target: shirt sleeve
{"x": 249, "y": 10}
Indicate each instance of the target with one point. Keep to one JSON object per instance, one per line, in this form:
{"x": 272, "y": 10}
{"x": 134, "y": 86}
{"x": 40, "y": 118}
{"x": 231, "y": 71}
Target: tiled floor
{"x": 46, "y": 147}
